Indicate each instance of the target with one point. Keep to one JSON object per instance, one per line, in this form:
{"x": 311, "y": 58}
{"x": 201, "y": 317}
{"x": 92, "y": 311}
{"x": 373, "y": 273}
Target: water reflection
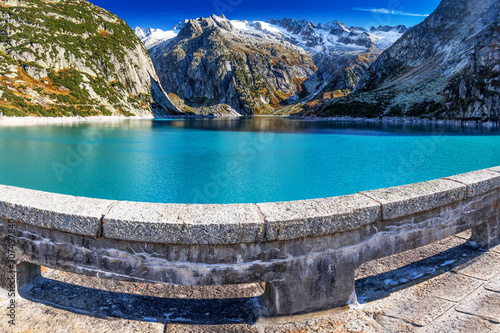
{"x": 364, "y": 127}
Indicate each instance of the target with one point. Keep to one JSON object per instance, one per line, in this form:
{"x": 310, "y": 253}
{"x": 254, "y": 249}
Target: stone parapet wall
{"x": 305, "y": 251}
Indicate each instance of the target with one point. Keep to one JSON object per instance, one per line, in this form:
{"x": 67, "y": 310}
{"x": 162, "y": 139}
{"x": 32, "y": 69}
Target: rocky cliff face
{"x": 220, "y": 66}
{"x": 73, "y": 58}
{"x": 386, "y": 28}
{"x": 446, "y": 67}
{"x": 210, "y": 67}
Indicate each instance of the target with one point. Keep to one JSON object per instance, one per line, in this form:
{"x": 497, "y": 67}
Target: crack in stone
{"x": 477, "y": 315}
{"x": 378, "y": 202}
{"x": 456, "y": 181}
{"x": 492, "y": 290}
{"x": 403, "y": 320}
{"x": 100, "y": 228}
{"x": 263, "y": 221}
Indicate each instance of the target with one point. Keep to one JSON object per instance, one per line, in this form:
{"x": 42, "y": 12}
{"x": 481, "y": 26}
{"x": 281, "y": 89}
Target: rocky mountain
{"x": 401, "y": 29}
{"x": 69, "y": 58}
{"x": 220, "y": 66}
{"x": 446, "y": 67}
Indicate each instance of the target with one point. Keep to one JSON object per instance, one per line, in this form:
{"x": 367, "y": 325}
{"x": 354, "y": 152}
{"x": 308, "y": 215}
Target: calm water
{"x": 237, "y": 160}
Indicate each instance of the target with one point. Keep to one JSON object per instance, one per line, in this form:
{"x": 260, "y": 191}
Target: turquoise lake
{"x": 236, "y": 160}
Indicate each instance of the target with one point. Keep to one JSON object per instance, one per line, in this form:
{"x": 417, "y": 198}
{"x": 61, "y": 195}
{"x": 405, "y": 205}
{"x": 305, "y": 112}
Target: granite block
{"x": 52, "y": 211}
{"x": 184, "y": 224}
{"x": 416, "y": 198}
{"x": 478, "y": 182}
{"x": 309, "y": 218}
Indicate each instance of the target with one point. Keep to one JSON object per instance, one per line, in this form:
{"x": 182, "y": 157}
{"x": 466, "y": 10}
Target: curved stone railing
{"x": 306, "y": 251}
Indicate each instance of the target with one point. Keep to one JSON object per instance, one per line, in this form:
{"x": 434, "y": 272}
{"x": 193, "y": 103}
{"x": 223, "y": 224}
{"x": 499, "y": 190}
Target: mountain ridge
{"x": 219, "y": 66}
{"x": 154, "y": 36}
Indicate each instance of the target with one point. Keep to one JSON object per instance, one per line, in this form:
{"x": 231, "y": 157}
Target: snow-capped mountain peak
{"x": 285, "y": 60}
{"x": 141, "y": 33}
{"x": 152, "y": 37}
{"x": 337, "y": 27}
{"x": 304, "y": 34}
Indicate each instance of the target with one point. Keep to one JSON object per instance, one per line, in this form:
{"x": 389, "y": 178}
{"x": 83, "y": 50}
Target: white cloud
{"x": 387, "y": 11}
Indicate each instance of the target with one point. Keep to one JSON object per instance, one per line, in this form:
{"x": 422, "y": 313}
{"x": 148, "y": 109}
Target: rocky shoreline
{"x": 413, "y": 120}
{"x": 26, "y": 121}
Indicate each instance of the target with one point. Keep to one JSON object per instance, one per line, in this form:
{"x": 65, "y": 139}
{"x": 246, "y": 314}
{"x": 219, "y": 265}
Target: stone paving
{"x": 443, "y": 287}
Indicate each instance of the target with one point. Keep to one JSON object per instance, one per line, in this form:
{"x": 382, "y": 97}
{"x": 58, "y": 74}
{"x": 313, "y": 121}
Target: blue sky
{"x": 164, "y": 14}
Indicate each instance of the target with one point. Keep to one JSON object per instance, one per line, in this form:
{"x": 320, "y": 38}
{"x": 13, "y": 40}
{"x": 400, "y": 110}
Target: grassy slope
{"x": 41, "y": 30}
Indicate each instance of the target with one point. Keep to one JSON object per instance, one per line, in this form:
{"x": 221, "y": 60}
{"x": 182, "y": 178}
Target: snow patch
{"x": 152, "y": 37}
{"x": 383, "y": 39}
{"x": 446, "y": 263}
{"x": 390, "y": 282}
{"x": 353, "y": 303}
{"x": 421, "y": 272}
{"x": 241, "y": 25}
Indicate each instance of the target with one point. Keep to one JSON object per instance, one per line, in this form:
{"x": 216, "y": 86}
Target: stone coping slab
{"x": 184, "y": 224}
{"x": 478, "y": 182}
{"x": 237, "y": 223}
{"x": 66, "y": 213}
{"x": 496, "y": 169}
{"x": 306, "y": 218}
{"x": 416, "y": 198}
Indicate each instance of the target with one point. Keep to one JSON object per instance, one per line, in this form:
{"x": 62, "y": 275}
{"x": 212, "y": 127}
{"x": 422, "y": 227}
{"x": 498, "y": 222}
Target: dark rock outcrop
{"x": 386, "y": 28}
